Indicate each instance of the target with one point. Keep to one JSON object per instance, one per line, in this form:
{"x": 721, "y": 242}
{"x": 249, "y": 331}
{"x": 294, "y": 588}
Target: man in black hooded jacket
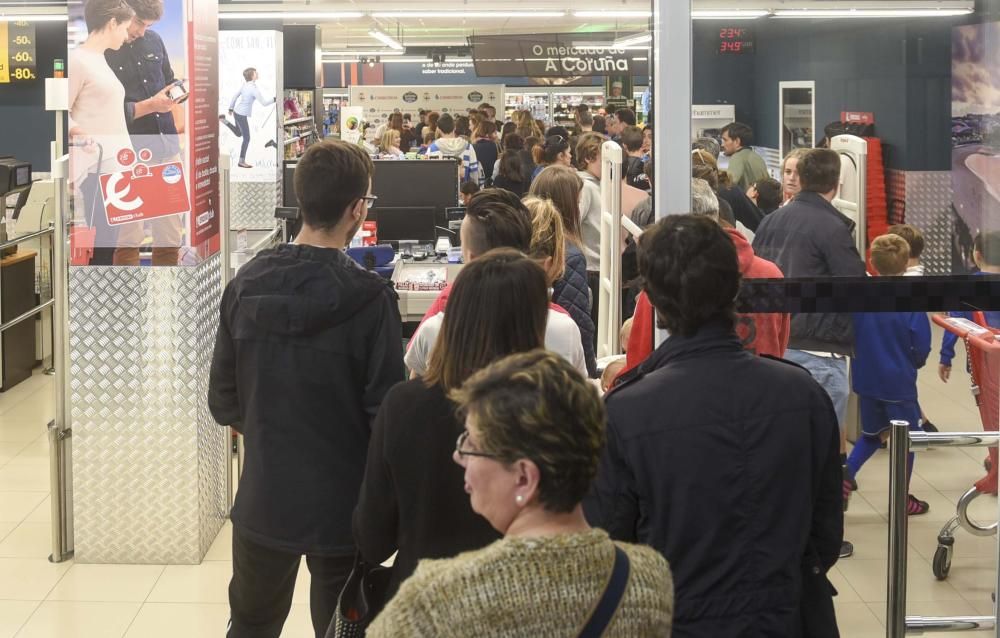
{"x": 308, "y": 345}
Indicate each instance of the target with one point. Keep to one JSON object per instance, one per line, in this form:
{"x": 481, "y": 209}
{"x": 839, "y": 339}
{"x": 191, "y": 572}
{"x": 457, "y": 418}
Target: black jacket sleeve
{"x": 223, "y": 395}
{"x": 572, "y": 294}
{"x": 613, "y": 502}
{"x": 376, "y": 518}
{"x": 385, "y": 359}
{"x": 827, "y": 532}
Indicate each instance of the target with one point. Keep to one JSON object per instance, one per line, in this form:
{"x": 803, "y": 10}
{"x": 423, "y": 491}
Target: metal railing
{"x": 901, "y": 442}
{"x": 226, "y": 265}
{"x": 60, "y": 431}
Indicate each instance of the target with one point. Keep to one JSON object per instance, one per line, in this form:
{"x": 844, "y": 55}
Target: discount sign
{"x": 17, "y": 52}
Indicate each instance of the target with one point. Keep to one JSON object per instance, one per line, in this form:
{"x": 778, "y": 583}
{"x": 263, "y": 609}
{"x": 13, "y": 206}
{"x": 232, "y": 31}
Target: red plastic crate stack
{"x": 876, "y": 205}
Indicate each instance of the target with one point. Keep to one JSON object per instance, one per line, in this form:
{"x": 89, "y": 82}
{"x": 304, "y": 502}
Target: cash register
{"x": 15, "y": 179}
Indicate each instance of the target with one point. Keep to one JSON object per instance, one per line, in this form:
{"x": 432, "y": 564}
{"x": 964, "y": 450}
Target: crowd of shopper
{"x": 704, "y": 496}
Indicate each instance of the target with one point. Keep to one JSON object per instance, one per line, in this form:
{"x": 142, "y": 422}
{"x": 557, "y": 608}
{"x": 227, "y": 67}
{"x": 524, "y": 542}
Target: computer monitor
{"x": 454, "y": 216}
{"x": 401, "y": 223}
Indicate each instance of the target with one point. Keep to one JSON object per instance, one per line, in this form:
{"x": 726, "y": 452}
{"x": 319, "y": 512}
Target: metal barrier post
{"x": 899, "y": 450}
{"x": 60, "y": 431}
{"x": 226, "y": 255}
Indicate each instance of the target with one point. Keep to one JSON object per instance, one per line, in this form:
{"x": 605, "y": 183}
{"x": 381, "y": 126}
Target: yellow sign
{"x": 4, "y": 56}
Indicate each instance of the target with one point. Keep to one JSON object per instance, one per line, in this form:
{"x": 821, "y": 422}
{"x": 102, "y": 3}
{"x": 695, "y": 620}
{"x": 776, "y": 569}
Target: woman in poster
{"x": 94, "y": 128}
{"x": 241, "y": 107}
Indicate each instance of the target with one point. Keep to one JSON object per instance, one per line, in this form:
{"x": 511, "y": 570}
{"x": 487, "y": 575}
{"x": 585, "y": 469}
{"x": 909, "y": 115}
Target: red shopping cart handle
{"x": 982, "y": 337}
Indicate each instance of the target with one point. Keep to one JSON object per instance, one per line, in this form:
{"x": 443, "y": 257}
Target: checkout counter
{"x": 26, "y": 208}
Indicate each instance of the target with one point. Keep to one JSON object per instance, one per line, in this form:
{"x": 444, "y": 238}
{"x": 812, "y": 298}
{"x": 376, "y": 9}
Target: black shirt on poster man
{"x": 143, "y": 68}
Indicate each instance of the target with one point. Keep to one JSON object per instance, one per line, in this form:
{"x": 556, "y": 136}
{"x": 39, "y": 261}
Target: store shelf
{"x": 298, "y": 120}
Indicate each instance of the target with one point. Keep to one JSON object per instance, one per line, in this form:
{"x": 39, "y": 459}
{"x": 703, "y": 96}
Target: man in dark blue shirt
{"x": 143, "y": 67}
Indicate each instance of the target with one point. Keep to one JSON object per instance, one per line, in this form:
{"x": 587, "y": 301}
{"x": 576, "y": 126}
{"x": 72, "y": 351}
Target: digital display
{"x": 735, "y": 40}
{"x": 17, "y": 52}
{"x": 22, "y": 176}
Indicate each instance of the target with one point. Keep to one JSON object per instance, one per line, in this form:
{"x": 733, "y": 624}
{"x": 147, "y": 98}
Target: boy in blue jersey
{"x": 986, "y": 253}
{"x": 889, "y": 349}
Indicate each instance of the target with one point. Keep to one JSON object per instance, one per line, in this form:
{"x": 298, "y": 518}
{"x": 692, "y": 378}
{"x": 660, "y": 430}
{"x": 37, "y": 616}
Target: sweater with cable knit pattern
{"x": 537, "y": 587}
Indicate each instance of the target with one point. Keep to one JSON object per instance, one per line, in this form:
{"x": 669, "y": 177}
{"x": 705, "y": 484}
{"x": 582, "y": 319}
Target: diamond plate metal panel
{"x": 253, "y": 203}
{"x": 148, "y": 461}
{"x": 928, "y": 207}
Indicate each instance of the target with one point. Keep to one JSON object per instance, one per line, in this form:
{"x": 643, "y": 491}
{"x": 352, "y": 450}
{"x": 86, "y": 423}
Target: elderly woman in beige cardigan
{"x": 534, "y": 433}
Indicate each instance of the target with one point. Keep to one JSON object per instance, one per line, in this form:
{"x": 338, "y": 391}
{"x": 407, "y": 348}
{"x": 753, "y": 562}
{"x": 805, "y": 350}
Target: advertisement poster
{"x": 352, "y": 120}
{"x": 618, "y": 93}
{"x": 143, "y": 132}
{"x": 975, "y": 128}
{"x": 379, "y": 102}
{"x": 247, "y": 109}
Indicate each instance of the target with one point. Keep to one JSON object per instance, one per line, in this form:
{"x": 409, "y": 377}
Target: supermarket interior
{"x": 232, "y": 228}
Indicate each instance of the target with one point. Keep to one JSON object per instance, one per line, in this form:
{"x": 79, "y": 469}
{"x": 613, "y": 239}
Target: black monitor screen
{"x": 401, "y": 184}
{"x": 23, "y": 176}
{"x": 401, "y": 223}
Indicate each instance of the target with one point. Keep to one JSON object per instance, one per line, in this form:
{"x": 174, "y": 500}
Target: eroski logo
{"x": 116, "y": 196}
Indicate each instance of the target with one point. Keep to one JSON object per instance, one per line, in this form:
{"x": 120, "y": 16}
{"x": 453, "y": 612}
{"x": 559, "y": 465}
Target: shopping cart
{"x": 982, "y": 345}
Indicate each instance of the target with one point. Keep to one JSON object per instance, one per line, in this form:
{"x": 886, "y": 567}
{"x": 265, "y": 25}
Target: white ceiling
{"x": 430, "y": 28}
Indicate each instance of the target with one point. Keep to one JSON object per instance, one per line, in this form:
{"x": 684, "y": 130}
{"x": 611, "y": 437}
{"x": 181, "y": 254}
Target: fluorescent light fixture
{"x": 34, "y": 17}
{"x": 386, "y": 39}
{"x": 611, "y": 13}
{"x": 872, "y": 13}
{"x": 352, "y": 53}
{"x": 468, "y": 14}
{"x": 290, "y": 15}
{"x": 632, "y": 40}
{"x": 728, "y": 14}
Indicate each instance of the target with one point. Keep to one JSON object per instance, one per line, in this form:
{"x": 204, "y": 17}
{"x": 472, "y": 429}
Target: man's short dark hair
{"x": 97, "y": 13}
{"x": 769, "y": 194}
{"x": 632, "y": 138}
{"x": 497, "y": 219}
{"x": 988, "y": 245}
{"x": 625, "y": 116}
{"x": 690, "y": 272}
{"x": 148, "y": 10}
{"x": 739, "y": 131}
{"x": 330, "y": 177}
{"x": 585, "y": 118}
{"x": 446, "y": 123}
{"x": 819, "y": 170}
{"x": 470, "y": 188}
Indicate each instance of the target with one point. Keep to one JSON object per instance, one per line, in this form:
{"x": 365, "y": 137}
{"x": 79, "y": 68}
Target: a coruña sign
{"x": 555, "y": 55}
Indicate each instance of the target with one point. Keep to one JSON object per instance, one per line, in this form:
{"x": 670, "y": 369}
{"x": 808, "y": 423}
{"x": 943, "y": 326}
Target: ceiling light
{"x": 386, "y": 39}
{"x": 468, "y": 14}
{"x": 34, "y": 17}
{"x": 872, "y": 13}
{"x": 290, "y": 15}
{"x": 632, "y": 40}
{"x": 729, "y": 14}
{"x": 612, "y": 14}
{"x": 351, "y": 53}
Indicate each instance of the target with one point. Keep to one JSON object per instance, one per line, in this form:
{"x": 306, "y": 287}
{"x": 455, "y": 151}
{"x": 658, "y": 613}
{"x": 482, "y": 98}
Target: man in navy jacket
{"x": 725, "y": 462}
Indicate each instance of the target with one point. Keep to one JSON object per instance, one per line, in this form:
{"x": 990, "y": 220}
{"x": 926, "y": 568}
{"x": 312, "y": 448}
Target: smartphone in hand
{"x": 178, "y": 92}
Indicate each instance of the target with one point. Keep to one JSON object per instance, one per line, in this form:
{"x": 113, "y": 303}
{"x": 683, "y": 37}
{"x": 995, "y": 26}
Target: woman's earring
{"x": 519, "y": 499}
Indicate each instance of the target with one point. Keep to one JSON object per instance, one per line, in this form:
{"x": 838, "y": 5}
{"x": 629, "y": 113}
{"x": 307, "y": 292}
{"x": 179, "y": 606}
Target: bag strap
{"x": 610, "y": 599}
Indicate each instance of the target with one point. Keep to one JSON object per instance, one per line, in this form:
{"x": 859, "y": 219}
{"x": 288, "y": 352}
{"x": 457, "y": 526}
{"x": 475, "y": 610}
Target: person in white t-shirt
{"x": 546, "y": 246}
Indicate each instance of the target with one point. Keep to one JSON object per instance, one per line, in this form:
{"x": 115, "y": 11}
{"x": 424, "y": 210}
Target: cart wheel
{"x": 942, "y": 562}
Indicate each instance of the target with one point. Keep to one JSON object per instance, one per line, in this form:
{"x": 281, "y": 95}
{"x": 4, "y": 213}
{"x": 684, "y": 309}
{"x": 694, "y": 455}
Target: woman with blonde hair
{"x": 561, "y": 186}
{"x": 389, "y": 144}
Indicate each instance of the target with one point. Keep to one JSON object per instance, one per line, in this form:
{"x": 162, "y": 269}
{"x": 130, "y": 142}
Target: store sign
{"x": 555, "y": 55}
{"x": 17, "y": 52}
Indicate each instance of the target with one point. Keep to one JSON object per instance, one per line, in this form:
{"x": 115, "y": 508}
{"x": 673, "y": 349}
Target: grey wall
{"x": 900, "y": 71}
{"x": 26, "y": 128}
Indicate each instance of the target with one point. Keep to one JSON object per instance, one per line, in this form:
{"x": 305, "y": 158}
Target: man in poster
{"x": 143, "y": 67}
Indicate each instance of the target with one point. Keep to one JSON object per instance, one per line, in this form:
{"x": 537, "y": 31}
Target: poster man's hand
{"x": 161, "y": 102}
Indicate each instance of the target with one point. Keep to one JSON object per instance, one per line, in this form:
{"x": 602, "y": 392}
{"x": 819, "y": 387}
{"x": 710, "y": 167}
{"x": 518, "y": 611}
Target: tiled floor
{"x": 40, "y": 599}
